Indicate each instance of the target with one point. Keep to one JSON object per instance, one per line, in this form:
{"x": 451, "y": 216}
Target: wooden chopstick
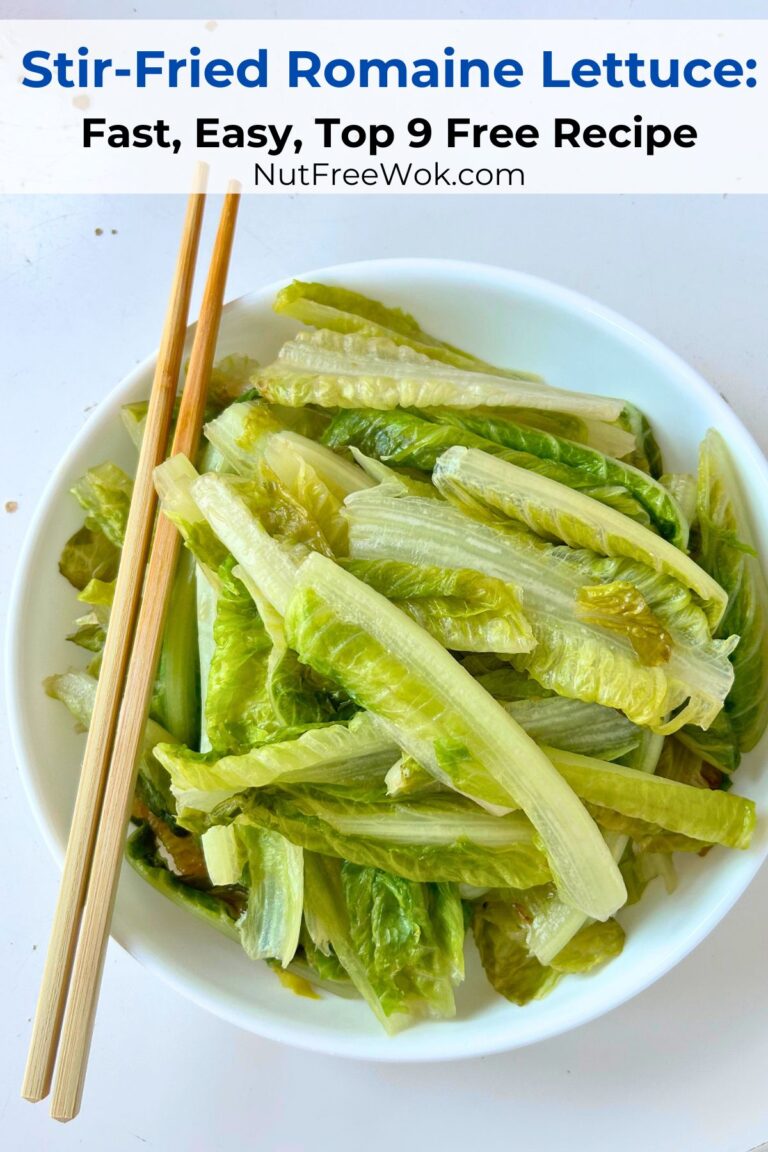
{"x": 80, "y": 1010}
{"x": 85, "y": 817}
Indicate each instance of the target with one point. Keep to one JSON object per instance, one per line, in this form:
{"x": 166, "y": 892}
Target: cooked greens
{"x": 437, "y": 659}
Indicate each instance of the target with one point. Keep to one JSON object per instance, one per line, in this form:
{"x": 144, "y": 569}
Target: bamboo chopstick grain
{"x": 75, "y": 874}
{"x": 80, "y": 1010}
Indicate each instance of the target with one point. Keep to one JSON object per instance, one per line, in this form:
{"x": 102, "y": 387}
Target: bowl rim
{"x": 335, "y": 1043}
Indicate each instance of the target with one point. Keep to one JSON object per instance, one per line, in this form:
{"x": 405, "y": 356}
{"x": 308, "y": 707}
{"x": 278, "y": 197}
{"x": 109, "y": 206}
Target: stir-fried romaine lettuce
{"x": 88, "y": 555}
{"x": 431, "y": 634}
{"x": 329, "y": 753}
{"x": 647, "y": 454}
{"x": 104, "y": 493}
{"x": 441, "y": 716}
{"x": 475, "y": 480}
{"x": 408, "y": 439}
{"x": 400, "y": 943}
{"x": 353, "y": 371}
{"x": 574, "y": 656}
{"x": 501, "y": 925}
{"x": 215, "y": 908}
{"x": 663, "y": 509}
{"x": 462, "y": 609}
{"x": 269, "y": 928}
{"x": 441, "y": 837}
{"x": 176, "y": 698}
{"x": 727, "y": 552}
{"x": 340, "y": 310}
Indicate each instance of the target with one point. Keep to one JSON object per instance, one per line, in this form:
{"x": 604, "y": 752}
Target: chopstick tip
{"x": 200, "y": 177}
{"x": 234, "y": 188}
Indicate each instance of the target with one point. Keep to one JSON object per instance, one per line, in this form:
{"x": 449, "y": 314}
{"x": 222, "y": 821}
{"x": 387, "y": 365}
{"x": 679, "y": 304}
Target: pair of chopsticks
{"x": 63, "y": 1024}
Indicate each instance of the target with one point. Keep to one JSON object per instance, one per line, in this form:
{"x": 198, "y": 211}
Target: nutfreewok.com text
{"x": 322, "y": 175}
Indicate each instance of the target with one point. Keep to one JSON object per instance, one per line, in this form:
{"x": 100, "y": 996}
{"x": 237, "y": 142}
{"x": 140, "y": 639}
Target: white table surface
{"x": 683, "y": 1066}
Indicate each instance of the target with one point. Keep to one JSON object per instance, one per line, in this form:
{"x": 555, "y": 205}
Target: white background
{"x": 682, "y": 1067}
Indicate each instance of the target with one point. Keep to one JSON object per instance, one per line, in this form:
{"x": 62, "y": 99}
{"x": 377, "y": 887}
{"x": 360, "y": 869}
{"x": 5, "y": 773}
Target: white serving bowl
{"x": 505, "y": 317}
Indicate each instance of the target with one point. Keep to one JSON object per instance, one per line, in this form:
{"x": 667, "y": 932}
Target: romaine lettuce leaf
{"x": 573, "y": 657}
{"x": 440, "y": 715}
{"x": 575, "y": 726}
{"x": 435, "y": 837}
{"x": 680, "y": 762}
{"x": 409, "y": 937}
{"x": 501, "y": 924}
{"x": 224, "y": 854}
{"x": 251, "y": 431}
{"x": 620, "y": 607}
{"x": 397, "y": 942}
{"x": 206, "y": 617}
{"x": 718, "y": 746}
{"x": 265, "y": 530}
{"x": 104, "y": 493}
{"x": 174, "y": 480}
{"x": 477, "y": 480}
{"x": 237, "y": 709}
{"x": 647, "y": 454}
{"x": 329, "y": 753}
{"x": 176, "y": 695}
{"x": 354, "y": 371}
{"x": 88, "y": 555}
{"x": 552, "y": 923}
{"x": 340, "y": 310}
{"x": 269, "y": 928}
{"x": 714, "y": 817}
{"x": 218, "y": 909}
{"x": 407, "y": 439}
{"x": 77, "y": 691}
{"x": 464, "y": 610}
{"x": 727, "y": 552}
{"x": 659, "y": 502}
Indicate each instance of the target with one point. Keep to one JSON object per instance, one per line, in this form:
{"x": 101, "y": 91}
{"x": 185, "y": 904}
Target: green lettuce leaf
{"x": 330, "y": 753}
{"x": 400, "y": 943}
{"x": 620, "y": 607}
{"x": 224, "y": 852}
{"x": 441, "y": 837}
{"x": 251, "y": 431}
{"x": 682, "y": 487}
{"x": 215, "y": 908}
{"x": 680, "y": 762}
{"x": 501, "y": 923}
{"x": 575, "y": 726}
{"x": 104, "y": 493}
{"x": 477, "y": 480}
{"x": 176, "y": 695}
{"x": 340, "y": 310}
{"x": 266, "y": 531}
{"x": 658, "y": 501}
{"x": 714, "y": 817}
{"x": 354, "y": 371}
{"x": 552, "y": 923}
{"x": 391, "y": 667}
{"x": 237, "y": 708}
{"x": 718, "y": 746}
{"x": 269, "y": 928}
{"x": 174, "y": 480}
{"x": 640, "y": 867}
{"x": 647, "y": 454}
{"x": 727, "y": 552}
{"x": 464, "y": 610}
{"x": 77, "y": 691}
{"x": 572, "y": 656}
{"x": 407, "y": 439}
{"x": 88, "y": 555}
